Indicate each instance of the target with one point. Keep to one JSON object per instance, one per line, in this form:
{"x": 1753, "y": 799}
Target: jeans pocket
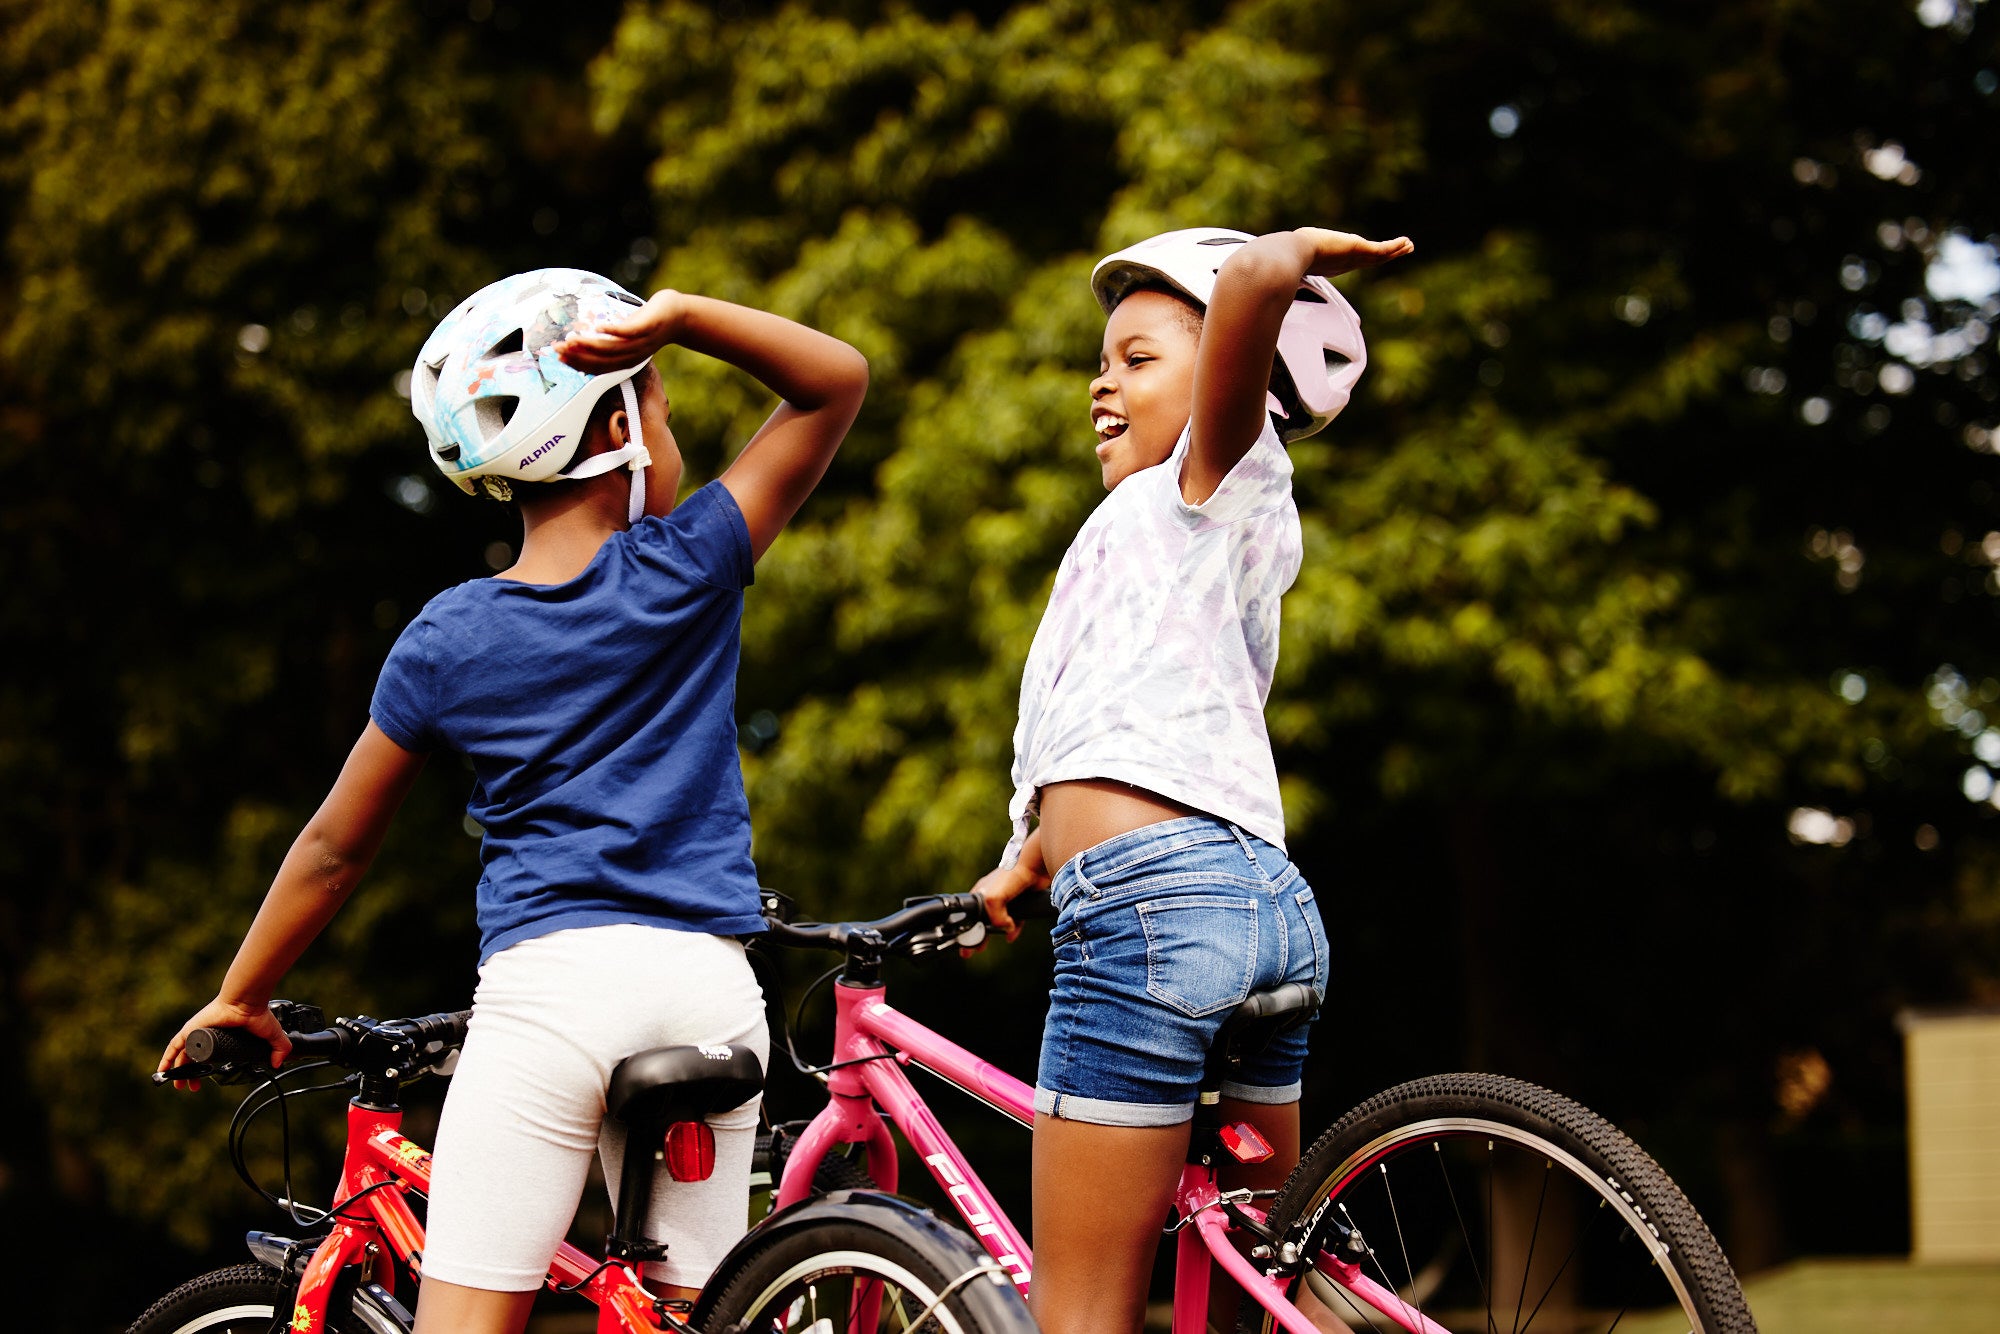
{"x": 1316, "y": 930}
{"x": 1201, "y": 951}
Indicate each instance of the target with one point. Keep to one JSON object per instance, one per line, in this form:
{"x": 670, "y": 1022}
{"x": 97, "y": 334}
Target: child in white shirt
{"x": 1142, "y": 750}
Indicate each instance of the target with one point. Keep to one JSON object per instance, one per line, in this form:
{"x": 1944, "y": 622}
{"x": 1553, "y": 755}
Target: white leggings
{"x": 525, "y": 1111}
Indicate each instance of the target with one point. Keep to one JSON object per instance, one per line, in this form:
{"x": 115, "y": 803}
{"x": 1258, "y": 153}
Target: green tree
{"x": 227, "y": 229}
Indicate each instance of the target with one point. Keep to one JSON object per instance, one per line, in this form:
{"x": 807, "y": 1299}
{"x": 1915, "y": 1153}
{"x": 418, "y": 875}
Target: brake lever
{"x": 963, "y": 936}
{"x": 182, "y": 1073}
{"x": 220, "y": 1074}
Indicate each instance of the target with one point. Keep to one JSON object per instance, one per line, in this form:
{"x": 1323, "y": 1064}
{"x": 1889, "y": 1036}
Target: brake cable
{"x": 250, "y": 1109}
{"x": 798, "y": 1020}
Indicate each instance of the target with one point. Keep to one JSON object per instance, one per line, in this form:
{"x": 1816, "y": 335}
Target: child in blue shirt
{"x": 591, "y": 686}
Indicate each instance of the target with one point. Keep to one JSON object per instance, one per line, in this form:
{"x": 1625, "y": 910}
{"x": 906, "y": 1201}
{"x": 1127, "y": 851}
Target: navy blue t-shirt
{"x": 599, "y": 717}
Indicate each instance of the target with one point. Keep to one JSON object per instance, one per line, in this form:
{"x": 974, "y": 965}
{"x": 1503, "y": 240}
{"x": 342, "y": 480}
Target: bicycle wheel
{"x": 1491, "y": 1204}
{"x": 859, "y": 1262}
{"x": 242, "y": 1299}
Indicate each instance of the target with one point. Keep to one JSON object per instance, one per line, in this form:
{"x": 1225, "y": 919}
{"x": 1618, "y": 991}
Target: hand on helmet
{"x": 616, "y": 344}
{"x": 1343, "y": 252}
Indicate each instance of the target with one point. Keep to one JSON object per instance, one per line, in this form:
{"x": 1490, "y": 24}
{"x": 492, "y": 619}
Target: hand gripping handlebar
{"x": 384, "y": 1048}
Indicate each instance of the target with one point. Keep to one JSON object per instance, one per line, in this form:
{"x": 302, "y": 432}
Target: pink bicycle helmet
{"x": 1320, "y": 350}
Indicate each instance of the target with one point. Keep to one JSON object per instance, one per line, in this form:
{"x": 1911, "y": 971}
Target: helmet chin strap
{"x": 634, "y": 455}
{"x": 635, "y": 508}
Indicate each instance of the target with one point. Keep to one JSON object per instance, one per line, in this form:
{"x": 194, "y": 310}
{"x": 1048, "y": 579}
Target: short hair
{"x": 1187, "y": 311}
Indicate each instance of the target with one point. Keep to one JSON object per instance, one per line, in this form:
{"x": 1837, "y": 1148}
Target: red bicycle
{"x": 1460, "y": 1202}
{"x": 854, "y": 1260}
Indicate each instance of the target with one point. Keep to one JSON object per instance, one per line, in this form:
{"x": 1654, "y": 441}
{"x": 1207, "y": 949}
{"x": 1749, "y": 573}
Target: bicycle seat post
{"x": 651, "y": 1092}
{"x": 1250, "y": 1028}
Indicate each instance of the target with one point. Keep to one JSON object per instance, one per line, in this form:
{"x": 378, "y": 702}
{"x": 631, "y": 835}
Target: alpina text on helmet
{"x": 540, "y": 450}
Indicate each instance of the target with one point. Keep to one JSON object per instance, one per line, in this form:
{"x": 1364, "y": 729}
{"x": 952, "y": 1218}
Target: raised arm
{"x": 821, "y": 380}
{"x": 324, "y": 864}
{"x": 1253, "y": 291}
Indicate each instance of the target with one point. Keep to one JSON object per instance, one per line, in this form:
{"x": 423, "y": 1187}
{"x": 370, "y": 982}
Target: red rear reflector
{"x": 691, "y": 1151}
{"x": 1245, "y": 1145}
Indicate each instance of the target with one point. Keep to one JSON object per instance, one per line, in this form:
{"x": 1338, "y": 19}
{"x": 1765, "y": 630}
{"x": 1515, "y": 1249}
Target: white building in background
{"x": 1952, "y": 1064}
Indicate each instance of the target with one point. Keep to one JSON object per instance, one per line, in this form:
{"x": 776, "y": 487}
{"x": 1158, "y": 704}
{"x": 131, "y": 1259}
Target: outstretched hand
{"x": 1343, "y": 252}
{"x": 617, "y": 344}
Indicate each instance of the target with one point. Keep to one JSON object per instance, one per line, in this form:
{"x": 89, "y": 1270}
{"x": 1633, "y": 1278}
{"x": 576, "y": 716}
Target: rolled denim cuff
{"x": 1098, "y": 1112}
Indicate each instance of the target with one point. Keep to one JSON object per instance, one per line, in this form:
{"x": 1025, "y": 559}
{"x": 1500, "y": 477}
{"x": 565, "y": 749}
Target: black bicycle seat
{"x": 1261, "y": 1017}
{"x": 682, "y": 1083}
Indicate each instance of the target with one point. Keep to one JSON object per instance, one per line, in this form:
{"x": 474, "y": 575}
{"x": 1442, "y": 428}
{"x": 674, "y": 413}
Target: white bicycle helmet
{"x": 1320, "y": 350}
{"x": 500, "y": 407}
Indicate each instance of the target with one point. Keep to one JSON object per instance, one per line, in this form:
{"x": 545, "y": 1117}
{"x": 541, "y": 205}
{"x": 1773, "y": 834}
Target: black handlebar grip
{"x": 227, "y": 1046}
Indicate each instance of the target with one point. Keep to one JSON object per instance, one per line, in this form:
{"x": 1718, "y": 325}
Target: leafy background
{"x": 1633, "y": 703}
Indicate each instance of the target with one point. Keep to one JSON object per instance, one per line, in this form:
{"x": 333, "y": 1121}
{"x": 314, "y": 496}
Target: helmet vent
{"x": 423, "y": 385}
{"x": 1334, "y": 361}
{"x": 618, "y": 294}
{"x": 1307, "y": 294}
{"x": 1223, "y": 240}
{"x": 511, "y": 343}
{"x": 449, "y": 453}
{"x": 494, "y": 413}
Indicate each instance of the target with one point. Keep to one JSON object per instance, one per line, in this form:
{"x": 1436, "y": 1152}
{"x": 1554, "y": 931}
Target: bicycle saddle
{"x": 1262, "y": 1016}
{"x": 682, "y": 1083}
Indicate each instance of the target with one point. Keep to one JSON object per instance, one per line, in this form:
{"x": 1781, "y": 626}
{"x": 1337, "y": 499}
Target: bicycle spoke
{"x": 1471, "y": 1251}
{"x": 1614, "y": 1321}
{"x": 1397, "y": 1218}
{"x": 1534, "y": 1235}
{"x": 1574, "y": 1248}
{"x": 1387, "y": 1282}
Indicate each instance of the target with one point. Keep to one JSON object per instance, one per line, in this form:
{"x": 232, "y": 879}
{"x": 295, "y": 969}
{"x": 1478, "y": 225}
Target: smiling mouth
{"x": 1109, "y": 426}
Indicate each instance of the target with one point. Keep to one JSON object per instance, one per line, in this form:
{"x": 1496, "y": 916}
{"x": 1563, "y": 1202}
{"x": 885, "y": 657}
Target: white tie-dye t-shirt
{"x": 1153, "y": 661}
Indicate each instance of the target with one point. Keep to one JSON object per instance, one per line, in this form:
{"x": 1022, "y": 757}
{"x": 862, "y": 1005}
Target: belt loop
{"x": 1244, "y": 843}
{"x": 1079, "y": 888}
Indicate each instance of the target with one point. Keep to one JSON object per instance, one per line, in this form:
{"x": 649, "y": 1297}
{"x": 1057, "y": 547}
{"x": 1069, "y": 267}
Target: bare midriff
{"x": 1081, "y": 814}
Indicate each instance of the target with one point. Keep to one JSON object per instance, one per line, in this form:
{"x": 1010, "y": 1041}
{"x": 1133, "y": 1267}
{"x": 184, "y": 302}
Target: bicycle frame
{"x": 373, "y": 1221}
{"x": 872, "y": 1042}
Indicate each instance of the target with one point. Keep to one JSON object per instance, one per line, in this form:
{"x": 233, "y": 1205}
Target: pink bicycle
{"x": 1455, "y": 1203}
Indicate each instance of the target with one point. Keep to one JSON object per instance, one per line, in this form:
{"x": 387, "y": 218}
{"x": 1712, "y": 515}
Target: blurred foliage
{"x": 1632, "y": 691}
{"x": 228, "y": 227}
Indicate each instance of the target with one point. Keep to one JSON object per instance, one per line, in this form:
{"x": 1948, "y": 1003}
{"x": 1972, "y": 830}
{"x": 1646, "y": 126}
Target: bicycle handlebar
{"x": 898, "y": 928}
{"x": 919, "y": 926}
{"x": 214, "y": 1053}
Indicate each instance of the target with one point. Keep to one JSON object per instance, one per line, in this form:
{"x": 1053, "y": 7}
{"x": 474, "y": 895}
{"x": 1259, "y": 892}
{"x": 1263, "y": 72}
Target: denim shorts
{"x": 1159, "y": 934}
